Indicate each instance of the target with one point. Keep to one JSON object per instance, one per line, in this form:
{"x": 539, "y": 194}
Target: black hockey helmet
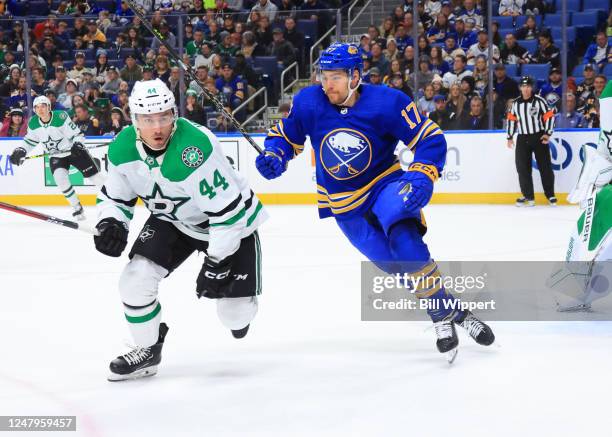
{"x": 526, "y": 80}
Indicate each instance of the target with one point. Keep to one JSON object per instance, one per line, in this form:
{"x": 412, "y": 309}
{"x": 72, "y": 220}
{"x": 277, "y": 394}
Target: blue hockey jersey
{"x": 354, "y": 147}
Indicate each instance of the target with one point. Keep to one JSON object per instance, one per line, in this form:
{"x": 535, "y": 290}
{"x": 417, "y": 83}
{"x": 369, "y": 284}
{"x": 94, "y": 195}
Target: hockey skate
{"x": 240, "y": 333}
{"x": 521, "y": 202}
{"x": 478, "y": 330}
{"x": 447, "y": 339}
{"x": 79, "y": 213}
{"x": 139, "y": 362}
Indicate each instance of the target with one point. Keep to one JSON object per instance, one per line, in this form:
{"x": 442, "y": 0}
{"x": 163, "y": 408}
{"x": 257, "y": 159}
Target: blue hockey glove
{"x": 270, "y": 165}
{"x": 417, "y": 186}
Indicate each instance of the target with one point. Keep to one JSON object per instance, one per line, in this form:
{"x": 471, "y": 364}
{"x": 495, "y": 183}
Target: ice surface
{"x": 309, "y": 366}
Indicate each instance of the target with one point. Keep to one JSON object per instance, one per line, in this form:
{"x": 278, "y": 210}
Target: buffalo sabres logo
{"x": 345, "y": 153}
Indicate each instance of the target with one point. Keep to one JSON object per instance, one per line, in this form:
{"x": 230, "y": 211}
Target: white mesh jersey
{"x": 58, "y": 135}
{"x": 192, "y": 185}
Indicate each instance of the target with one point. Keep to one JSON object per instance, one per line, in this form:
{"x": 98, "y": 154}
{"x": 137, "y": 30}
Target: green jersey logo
{"x": 192, "y": 157}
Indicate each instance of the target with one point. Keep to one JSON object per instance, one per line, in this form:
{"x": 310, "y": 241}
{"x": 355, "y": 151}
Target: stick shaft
{"x": 48, "y": 218}
{"x": 187, "y": 69}
{"x": 97, "y": 146}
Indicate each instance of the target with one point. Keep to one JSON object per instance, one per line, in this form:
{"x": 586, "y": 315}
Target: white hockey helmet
{"x": 41, "y": 100}
{"x": 151, "y": 97}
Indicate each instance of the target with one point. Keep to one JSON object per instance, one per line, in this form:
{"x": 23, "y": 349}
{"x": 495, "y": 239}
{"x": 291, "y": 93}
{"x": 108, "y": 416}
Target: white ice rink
{"x": 309, "y": 366}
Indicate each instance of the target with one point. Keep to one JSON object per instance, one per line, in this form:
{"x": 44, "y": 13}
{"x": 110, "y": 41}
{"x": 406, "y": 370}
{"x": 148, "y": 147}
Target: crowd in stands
{"x": 85, "y": 56}
{"x": 450, "y": 79}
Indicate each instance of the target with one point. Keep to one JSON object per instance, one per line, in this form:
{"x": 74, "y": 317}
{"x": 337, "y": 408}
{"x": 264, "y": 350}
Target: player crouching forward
{"x": 62, "y": 138}
{"x": 197, "y": 203}
{"x": 354, "y": 129}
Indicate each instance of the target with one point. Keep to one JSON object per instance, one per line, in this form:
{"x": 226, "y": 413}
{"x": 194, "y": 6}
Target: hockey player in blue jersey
{"x": 354, "y": 129}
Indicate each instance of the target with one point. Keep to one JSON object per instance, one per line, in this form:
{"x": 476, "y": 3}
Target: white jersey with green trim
{"x": 58, "y": 135}
{"x": 192, "y": 185}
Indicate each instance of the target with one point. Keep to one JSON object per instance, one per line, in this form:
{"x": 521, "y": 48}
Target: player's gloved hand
{"x": 417, "y": 187}
{"x": 18, "y": 156}
{"x": 77, "y": 149}
{"x": 113, "y": 237}
{"x": 214, "y": 278}
{"x": 270, "y": 164}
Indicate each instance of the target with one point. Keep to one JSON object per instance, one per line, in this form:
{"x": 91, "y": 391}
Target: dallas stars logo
{"x": 163, "y": 206}
{"x": 608, "y": 139}
{"x": 51, "y": 144}
{"x": 192, "y": 157}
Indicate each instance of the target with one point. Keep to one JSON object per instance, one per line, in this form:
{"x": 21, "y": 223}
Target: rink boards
{"x": 479, "y": 169}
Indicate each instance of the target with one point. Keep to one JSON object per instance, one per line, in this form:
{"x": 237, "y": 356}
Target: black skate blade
{"x": 142, "y": 373}
{"x": 240, "y": 333}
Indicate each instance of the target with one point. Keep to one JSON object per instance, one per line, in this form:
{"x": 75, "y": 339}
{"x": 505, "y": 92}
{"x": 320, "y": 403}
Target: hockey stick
{"x": 48, "y": 218}
{"x": 97, "y": 146}
{"x": 187, "y": 69}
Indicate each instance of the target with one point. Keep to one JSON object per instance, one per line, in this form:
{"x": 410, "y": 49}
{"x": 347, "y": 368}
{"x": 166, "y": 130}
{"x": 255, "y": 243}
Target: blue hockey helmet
{"x": 342, "y": 56}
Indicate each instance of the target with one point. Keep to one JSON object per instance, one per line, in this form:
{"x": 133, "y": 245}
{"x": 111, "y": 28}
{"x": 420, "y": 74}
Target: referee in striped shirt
{"x": 533, "y": 120}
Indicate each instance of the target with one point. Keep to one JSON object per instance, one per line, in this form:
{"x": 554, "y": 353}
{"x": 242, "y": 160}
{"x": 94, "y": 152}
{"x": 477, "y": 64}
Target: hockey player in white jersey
{"x": 197, "y": 201}
{"x": 62, "y": 138}
{"x": 591, "y": 237}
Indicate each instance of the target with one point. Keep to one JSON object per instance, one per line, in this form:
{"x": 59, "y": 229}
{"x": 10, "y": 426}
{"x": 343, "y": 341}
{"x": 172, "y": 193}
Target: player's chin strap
{"x": 351, "y": 90}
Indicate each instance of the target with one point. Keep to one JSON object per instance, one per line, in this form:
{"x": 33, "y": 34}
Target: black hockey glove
{"x": 18, "y": 156}
{"x": 78, "y": 149}
{"x": 214, "y": 278}
{"x": 113, "y": 237}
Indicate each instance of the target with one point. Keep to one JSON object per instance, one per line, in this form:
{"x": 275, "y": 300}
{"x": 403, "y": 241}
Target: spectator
{"x": 316, "y": 10}
{"x": 14, "y": 124}
{"x": 599, "y": 52}
{"x": 397, "y": 82}
{"x": 553, "y": 89}
{"x": 104, "y": 21}
{"x": 398, "y": 15}
{"x": 205, "y": 56}
{"x": 266, "y": 8}
{"x": 424, "y": 47}
{"x": 214, "y": 33}
{"x": 250, "y": 47}
{"x": 513, "y": 53}
{"x": 465, "y": 38}
{"x": 132, "y": 71}
{"x": 39, "y": 84}
{"x": 457, "y": 102}
{"x": 512, "y": 8}
{"x": 192, "y": 48}
{"x": 18, "y": 98}
{"x": 210, "y": 86}
{"x": 468, "y": 85}
{"x": 402, "y": 38}
{"x": 588, "y": 84}
{"x": 242, "y": 68}
{"x": 572, "y": 118}
{"x": 40, "y": 27}
{"x": 49, "y": 51}
{"x": 90, "y": 126}
{"x": 374, "y": 35}
{"x": 470, "y": 11}
{"x": 546, "y": 52}
{"x": 387, "y": 29}
{"x": 226, "y": 49}
{"x": 147, "y": 72}
{"x": 94, "y": 38}
{"x": 231, "y": 87}
{"x": 423, "y": 76}
{"x": 505, "y": 87}
{"x": 263, "y": 32}
{"x": 458, "y": 73}
{"x": 79, "y": 66}
{"x": 590, "y": 108}
{"x": 474, "y": 119}
{"x": 175, "y": 84}
{"x": 391, "y": 53}
{"x": 283, "y": 50}
{"x": 5, "y": 66}
{"x": 481, "y": 48}
{"x": 65, "y": 99}
{"x": 58, "y": 85}
{"x": 55, "y": 106}
{"x": 433, "y": 7}
{"x": 166, "y": 35}
{"x": 111, "y": 82}
{"x": 426, "y": 103}
{"x": 286, "y": 9}
{"x": 88, "y": 83}
{"x": 424, "y": 18}
{"x": 294, "y": 36}
{"x": 394, "y": 68}
{"x": 375, "y": 76}
{"x": 101, "y": 66}
{"x": 379, "y": 60}
{"x": 450, "y": 51}
{"x": 121, "y": 99}
{"x": 436, "y": 83}
{"x": 123, "y": 13}
{"x": 193, "y": 110}
{"x": 62, "y": 36}
{"x": 134, "y": 40}
{"x": 440, "y": 30}
{"x": 164, "y": 6}
{"x": 529, "y": 30}
{"x": 162, "y": 68}
{"x": 535, "y": 7}
{"x": 202, "y": 76}
{"x": 438, "y": 64}
{"x": 408, "y": 61}
{"x": 481, "y": 75}
{"x": 441, "y": 116}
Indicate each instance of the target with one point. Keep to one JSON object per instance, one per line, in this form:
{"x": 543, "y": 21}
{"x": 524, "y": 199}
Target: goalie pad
{"x": 596, "y": 172}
